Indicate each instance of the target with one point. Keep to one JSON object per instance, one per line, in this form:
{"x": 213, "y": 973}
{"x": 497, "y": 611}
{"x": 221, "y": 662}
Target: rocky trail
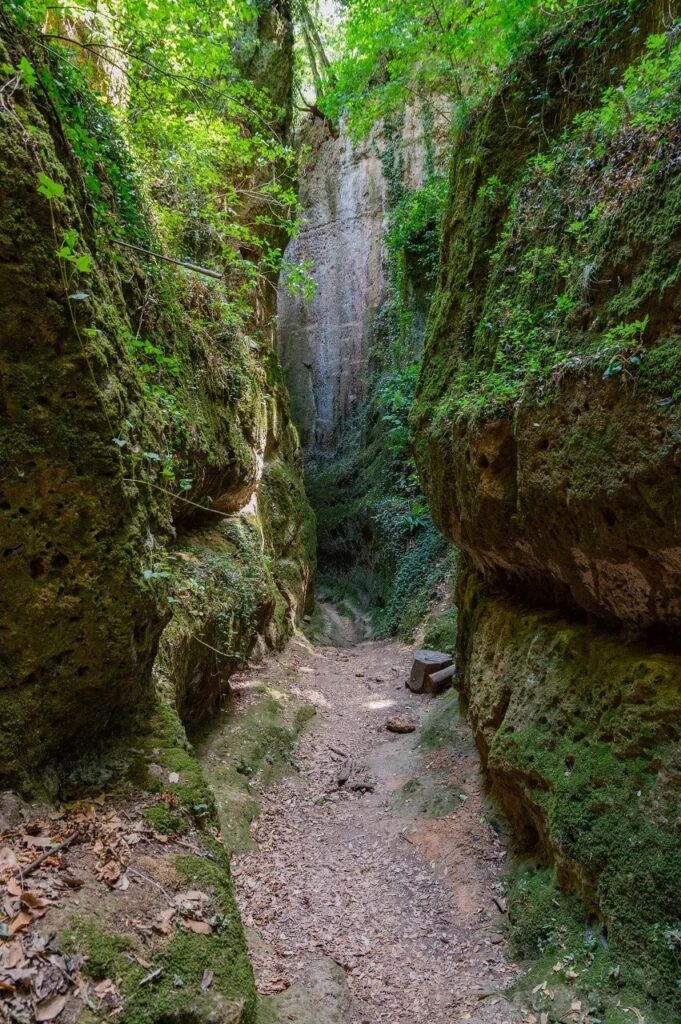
{"x": 373, "y": 894}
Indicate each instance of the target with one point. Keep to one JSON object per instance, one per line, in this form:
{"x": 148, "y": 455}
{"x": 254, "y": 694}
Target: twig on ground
{"x": 30, "y": 868}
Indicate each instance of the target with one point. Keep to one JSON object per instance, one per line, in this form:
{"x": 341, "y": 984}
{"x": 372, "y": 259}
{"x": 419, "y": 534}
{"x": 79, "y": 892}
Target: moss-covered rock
{"x": 181, "y": 962}
{"x": 132, "y": 412}
{"x": 579, "y": 735}
{"x": 547, "y": 429}
{"x": 546, "y": 414}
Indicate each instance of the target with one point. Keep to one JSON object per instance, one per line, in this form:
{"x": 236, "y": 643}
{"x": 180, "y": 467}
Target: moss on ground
{"x": 571, "y": 957}
{"x": 247, "y": 750}
{"x": 183, "y": 960}
{"x": 431, "y": 796}
{"x": 440, "y": 725}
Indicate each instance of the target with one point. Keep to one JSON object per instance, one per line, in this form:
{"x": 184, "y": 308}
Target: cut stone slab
{"x": 439, "y": 681}
{"x": 426, "y": 664}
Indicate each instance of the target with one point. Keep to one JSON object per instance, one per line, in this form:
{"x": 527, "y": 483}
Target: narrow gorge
{"x": 333, "y": 334}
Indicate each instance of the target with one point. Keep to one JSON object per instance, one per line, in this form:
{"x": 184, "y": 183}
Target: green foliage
{"x": 48, "y": 188}
{"x": 167, "y": 126}
{"x": 554, "y": 307}
{"x": 393, "y": 52}
{"x": 440, "y": 634}
{"x": 649, "y": 96}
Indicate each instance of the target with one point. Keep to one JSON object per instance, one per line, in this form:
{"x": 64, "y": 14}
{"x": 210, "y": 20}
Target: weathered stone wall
{"x": 325, "y": 343}
{"x": 105, "y": 459}
{"x": 548, "y": 432}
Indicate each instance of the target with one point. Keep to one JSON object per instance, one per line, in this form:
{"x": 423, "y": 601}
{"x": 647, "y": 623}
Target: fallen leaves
{"x": 19, "y": 923}
{"x": 50, "y": 1008}
{"x": 198, "y": 927}
{"x": 37, "y": 981}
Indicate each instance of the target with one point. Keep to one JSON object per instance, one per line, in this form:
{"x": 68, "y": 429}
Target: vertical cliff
{"x": 324, "y": 342}
{"x": 548, "y": 438}
{"x": 369, "y": 234}
{"x": 153, "y": 510}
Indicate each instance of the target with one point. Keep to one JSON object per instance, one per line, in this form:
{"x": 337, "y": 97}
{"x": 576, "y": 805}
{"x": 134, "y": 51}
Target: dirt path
{"x": 374, "y": 902}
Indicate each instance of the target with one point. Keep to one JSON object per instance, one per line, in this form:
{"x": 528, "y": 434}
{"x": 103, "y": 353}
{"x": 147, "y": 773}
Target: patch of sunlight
{"x": 313, "y": 696}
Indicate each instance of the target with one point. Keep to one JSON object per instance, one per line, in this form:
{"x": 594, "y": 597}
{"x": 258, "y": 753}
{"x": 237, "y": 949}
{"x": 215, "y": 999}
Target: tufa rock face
{"x": 78, "y": 623}
{"x": 579, "y": 735}
{"x": 548, "y": 435}
{"x": 325, "y": 343}
{"x": 552, "y": 465}
{"x": 87, "y": 519}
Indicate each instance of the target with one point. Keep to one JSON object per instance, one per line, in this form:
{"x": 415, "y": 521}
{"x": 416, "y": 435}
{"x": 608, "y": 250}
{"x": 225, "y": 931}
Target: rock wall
{"x": 114, "y": 461}
{"x": 548, "y": 425}
{"x": 325, "y": 343}
{"x": 370, "y": 233}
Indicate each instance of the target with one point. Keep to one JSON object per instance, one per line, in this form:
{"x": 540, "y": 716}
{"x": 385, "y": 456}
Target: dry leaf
{"x": 14, "y": 955}
{"x": 110, "y": 872}
{"x": 104, "y": 988}
{"x": 72, "y": 882}
{"x": 50, "y": 1008}
{"x": 33, "y": 900}
{"x": 42, "y": 842}
{"x": 8, "y": 858}
{"x": 14, "y": 887}
{"x": 163, "y": 922}
{"x": 198, "y": 927}
{"x": 19, "y": 923}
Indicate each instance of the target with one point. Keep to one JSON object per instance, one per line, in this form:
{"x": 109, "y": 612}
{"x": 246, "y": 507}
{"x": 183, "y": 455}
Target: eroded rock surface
{"x": 131, "y": 474}
{"x": 548, "y": 430}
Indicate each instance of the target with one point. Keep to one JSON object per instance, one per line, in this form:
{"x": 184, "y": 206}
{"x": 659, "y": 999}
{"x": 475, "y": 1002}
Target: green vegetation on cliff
{"x": 378, "y": 548}
{"x": 143, "y": 398}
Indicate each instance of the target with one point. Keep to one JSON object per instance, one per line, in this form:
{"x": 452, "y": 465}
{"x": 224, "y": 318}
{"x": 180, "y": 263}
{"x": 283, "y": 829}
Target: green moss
{"x": 660, "y": 372}
{"x": 440, "y": 634}
{"x": 134, "y": 417}
{"x": 440, "y": 725}
{"x": 559, "y": 276}
{"x": 570, "y": 953}
{"x": 164, "y": 820}
{"x": 182, "y": 961}
{"x": 581, "y": 742}
{"x": 433, "y": 796}
{"x": 254, "y": 745}
{"x": 105, "y": 952}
